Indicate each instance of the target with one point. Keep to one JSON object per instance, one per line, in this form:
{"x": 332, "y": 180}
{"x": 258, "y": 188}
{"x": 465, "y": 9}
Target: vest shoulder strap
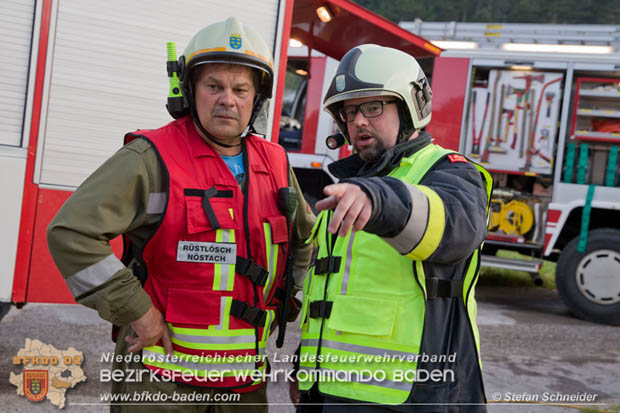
{"x": 424, "y": 160}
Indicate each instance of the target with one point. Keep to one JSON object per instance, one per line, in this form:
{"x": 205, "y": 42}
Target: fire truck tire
{"x": 589, "y": 282}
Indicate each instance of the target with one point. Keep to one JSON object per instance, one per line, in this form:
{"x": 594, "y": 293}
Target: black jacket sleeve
{"x": 403, "y": 214}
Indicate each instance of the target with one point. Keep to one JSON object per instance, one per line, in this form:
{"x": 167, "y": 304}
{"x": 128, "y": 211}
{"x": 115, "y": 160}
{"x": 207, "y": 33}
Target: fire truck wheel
{"x": 589, "y": 282}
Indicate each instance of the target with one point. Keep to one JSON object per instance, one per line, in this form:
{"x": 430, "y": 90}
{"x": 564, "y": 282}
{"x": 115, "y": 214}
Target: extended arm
{"x": 443, "y": 219}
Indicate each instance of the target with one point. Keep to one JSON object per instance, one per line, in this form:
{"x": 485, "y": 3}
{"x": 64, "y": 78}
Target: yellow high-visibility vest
{"x": 363, "y": 312}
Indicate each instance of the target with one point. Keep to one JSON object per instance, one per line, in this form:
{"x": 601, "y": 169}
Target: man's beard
{"x": 373, "y": 152}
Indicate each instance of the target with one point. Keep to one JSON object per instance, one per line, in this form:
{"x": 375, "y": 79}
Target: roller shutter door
{"x": 16, "y": 20}
{"x": 108, "y": 73}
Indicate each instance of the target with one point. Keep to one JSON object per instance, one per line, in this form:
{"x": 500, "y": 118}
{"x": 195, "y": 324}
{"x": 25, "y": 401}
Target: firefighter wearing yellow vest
{"x": 207, "y": 209}
{"x": 388, "y": 316}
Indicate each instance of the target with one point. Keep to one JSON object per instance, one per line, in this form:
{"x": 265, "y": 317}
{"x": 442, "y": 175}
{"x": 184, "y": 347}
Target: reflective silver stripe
{"x": 310, "y": 342}
{"x": 390, "y": 384}
{"x": 94, "y": 275}
{"x": 147, "y": 354}
{"x": 347, "y": 265}
{"x": 224, "y": 267}
{"x": 224, "y": 278}
{"x": 214, "y": 339}
{"x": 222, "y": 313}
{"x": 354, "y": 348}
{"x": 415, "y": 228}
{"x": 157, "y": 203}
{"x": 374, "y": 351}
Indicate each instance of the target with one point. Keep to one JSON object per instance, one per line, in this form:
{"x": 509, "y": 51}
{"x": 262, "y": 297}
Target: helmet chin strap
{"x": 198, "y": 123}
{"x": 212, "y": 138}
{"x": 209, "y": 136}
{"x": 406, "y": 128}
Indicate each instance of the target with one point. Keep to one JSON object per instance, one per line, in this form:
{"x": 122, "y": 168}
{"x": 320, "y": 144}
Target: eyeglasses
{"x": 369, "y": 110}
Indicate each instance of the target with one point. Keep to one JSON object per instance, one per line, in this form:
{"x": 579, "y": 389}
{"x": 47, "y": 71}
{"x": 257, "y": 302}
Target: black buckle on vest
{"x": 443, "y": 288}
{"x": 251, "y": 315}
{"x": 257, "y": 274}
{"x": 206, "y": 206}
{"x": 321, "y": 309}
{"x": 279, "y": 294}
{"x": 327, "y": 265}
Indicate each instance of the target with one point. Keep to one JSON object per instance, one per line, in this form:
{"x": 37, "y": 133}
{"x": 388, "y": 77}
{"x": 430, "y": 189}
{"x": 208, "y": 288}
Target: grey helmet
{"x": 372, "y": 70}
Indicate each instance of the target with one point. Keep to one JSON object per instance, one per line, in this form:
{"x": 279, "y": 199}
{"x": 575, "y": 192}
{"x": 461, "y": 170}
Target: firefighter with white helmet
{"x": 227, "y": 42}
{"x": 362, "y": 73}
{"x": 390, "y": 296}
{"x": 214, "y": 226}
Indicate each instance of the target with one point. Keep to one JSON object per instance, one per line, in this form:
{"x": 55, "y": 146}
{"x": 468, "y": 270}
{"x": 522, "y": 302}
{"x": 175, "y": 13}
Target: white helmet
{"x": 372, "y": 70}
{"x": 229, "y": 41}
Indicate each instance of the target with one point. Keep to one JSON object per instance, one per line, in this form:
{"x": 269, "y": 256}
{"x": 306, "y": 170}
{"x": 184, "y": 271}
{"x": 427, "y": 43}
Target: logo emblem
{"x": 340, "y": 83}
{"x": 235, "y": 41}
{"x": 455, "y": 157}
{"x": 36, "y": 384}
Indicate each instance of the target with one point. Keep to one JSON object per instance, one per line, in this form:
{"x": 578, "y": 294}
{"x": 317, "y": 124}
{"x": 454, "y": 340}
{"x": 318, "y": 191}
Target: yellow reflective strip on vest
{"x": 217, "y": 268}
{"x": 488, "y": 180}
{"x": 212, "y": 333}
{"x": 230, "y": 279}
{"x": 210, "y": 359}
{"x": 215, "y": 337}
{"x": 269, "y": 319}
{"x": 469, "y": 276}
{"x": 155, "y": 356}
{"x": 249, "y": 345}
{"x": 470, "y": 301}
{"x": 191, "y": 338}
{"x": 214, "y": 347}
{"x": 435, "y": 227}
{"x": 270, "y": 252}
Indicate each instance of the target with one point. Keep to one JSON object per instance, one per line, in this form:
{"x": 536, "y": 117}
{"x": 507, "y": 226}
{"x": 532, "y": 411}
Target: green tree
{"x": 501, "y": 11}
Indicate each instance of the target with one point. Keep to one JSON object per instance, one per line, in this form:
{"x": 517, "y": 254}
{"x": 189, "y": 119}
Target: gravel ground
{"x": 530, "y": 345}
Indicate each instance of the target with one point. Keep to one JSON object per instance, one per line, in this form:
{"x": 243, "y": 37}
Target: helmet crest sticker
{"x": 340, "y": 83}
{"x": 235, "y": 41}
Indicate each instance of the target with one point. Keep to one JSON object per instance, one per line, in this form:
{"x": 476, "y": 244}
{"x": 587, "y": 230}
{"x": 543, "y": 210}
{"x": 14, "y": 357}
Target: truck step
{"x": 531, "y": 266}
